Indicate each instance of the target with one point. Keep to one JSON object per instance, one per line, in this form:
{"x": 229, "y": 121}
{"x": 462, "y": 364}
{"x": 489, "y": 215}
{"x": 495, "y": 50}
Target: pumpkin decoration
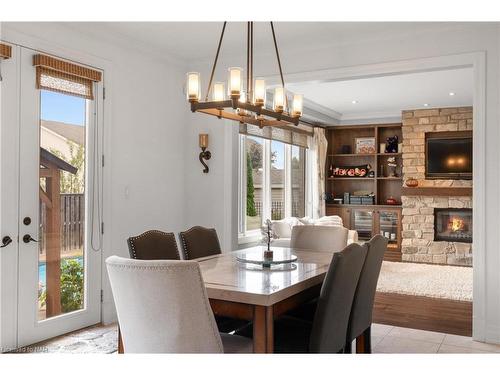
{"x": 411, "y": 182}
{"x": 354, "y": 171}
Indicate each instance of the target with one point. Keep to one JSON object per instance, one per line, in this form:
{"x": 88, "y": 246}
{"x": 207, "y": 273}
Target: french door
{"x": 58, "y": 263}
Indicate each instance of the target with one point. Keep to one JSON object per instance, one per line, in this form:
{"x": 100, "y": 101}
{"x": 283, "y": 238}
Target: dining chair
{"x": 319, "y": 238}
{"x": 360, "y": 320}
{"x": 327, "y": 332}
{"x": 162, "y": 307}
{"x": 198, "y": 242}
{"x": 153, "y": 244}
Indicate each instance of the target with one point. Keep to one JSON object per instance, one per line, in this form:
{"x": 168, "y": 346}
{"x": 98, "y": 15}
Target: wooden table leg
{"x": 120, "y": 342}
{"x": 263, "y": 329}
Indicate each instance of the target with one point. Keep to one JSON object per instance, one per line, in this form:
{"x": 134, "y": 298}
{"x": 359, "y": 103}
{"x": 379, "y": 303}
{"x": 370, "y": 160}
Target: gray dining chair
{"x": 162, "y": 307}
{"x": 327, "y": 332}
{"x": 360, "y": 320}
{"x": 153, "y": 244}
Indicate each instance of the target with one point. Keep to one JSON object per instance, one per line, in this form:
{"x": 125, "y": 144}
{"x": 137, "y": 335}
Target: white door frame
{"x": 476, "y": 61}
{"x": 9, "y": 196}
{"x": 8, "y": 321}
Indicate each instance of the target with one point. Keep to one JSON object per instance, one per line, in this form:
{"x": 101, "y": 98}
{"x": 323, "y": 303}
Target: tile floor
{"x": 385, "y": 339}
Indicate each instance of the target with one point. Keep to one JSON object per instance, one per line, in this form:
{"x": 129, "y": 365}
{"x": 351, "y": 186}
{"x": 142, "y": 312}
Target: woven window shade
{"x": 65, "y": 77}
{"x": 285, "y": 134}
{"x": 5, "y": 51}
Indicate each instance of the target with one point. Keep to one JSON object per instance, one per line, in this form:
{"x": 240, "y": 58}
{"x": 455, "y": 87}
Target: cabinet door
{"x": 389, "y": 226}
{"x": 342, "y": 212}
{"x": 362, "y": 221}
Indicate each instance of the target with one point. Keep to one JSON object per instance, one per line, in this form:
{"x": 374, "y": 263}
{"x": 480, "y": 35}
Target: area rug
{"x": 426, "y": 280}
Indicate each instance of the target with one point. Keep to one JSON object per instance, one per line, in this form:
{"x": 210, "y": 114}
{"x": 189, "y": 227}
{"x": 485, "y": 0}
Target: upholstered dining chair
{"x": 328, "y": 330}
{"x": 319, "y": 238}
{"x": 360, "y": 320}
{"x": 198, "y": 242}
{"x": 162, "y": 307}
{"x": 153, "y": 244}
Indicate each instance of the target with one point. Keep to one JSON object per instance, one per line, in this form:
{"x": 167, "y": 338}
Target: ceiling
{"x": 383, "y": 97}
{"x": 198, "y": 40}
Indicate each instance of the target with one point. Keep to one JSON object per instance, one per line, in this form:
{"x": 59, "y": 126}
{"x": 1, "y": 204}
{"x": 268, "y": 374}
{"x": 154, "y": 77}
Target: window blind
{"x": 291, "y": 134}
{"x": 5, "y": 51}
{"x": 65, "y": 77}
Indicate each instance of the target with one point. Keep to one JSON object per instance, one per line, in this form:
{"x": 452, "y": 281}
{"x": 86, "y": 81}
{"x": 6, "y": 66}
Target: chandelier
{"x": 245, "y": 107}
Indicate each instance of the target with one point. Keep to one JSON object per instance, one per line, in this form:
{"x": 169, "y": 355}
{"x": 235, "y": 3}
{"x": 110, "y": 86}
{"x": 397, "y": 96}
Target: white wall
{"x": 426, "y": 41}
{"x": 145, "y": 134}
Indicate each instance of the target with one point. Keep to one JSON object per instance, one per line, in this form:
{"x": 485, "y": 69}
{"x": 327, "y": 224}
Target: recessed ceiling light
{"x": 354, "y": 102}
{"x": 426, "y": 104}
{"x": 452, "y": 94}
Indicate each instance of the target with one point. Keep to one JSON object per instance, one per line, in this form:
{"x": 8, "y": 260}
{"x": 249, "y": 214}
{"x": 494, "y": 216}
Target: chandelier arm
{"x": 215, "y": 61}
{"x": 248, "y": 59}
{"x": 277, "y": 55}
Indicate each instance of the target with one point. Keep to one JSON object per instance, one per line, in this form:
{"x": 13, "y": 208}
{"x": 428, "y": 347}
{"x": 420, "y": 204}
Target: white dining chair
{"x": 319, "y": 238}
{"x": 162, "y": 307}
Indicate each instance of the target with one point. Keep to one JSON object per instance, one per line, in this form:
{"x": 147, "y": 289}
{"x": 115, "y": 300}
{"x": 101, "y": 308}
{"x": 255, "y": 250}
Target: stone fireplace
{"x": 437, "y": 228}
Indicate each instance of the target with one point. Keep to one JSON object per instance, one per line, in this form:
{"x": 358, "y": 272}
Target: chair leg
{"x": 364, "y": 342}
{"x": 348, "y": 348}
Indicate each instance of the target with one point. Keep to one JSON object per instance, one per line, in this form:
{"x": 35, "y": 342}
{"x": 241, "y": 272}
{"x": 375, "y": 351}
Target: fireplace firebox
{"x": 453, "y": 224}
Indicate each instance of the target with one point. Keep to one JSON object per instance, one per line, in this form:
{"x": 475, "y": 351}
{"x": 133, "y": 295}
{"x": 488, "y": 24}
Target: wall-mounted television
{"x": 448, "y": 155}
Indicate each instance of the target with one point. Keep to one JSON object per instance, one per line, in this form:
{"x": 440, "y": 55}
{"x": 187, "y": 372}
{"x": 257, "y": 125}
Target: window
{"x": 272, "y": 181}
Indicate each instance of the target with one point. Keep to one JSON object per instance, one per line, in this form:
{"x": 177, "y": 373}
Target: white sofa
{"x": 283, "y": 228}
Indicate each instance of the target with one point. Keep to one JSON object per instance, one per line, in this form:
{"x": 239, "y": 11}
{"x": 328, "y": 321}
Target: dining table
{"x": 261, "y": 294}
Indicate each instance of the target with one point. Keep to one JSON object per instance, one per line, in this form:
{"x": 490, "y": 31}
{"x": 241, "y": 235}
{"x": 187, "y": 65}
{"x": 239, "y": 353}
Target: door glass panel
{"x": 363, "y": 224}
{"x": 254, "y": 179}
{"x": 298, "y": 181}
{"x": 389, "y": 226}
{"x": 61, "y": 259}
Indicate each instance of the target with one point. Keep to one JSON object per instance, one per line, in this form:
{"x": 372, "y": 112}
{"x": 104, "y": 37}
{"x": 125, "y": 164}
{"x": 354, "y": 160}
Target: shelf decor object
{"x": 365, "y": 145}
{"x": 246, "y": 106}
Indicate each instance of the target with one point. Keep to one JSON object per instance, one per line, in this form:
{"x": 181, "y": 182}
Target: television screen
{"x": 449, "y": 157}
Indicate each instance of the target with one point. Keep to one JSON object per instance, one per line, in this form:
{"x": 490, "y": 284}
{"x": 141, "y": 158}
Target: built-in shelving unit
{"x": 380, "y": 217}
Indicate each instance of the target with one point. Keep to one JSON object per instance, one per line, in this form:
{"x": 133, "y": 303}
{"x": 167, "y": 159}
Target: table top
{"x": 227, "y": 279}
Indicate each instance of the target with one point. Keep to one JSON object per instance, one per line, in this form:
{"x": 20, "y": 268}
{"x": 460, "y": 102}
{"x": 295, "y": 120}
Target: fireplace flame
{"x": 456, "y": 224}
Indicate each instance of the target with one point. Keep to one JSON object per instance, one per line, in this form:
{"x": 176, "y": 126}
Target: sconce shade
{"x": 203, "y": 138}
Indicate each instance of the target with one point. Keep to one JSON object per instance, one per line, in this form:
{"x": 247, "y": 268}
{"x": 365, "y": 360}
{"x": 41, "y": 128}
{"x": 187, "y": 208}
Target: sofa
{"x": 283, "y": 228}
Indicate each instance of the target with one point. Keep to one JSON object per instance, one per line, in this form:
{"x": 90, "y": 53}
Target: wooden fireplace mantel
{"x": 438, "y": 191}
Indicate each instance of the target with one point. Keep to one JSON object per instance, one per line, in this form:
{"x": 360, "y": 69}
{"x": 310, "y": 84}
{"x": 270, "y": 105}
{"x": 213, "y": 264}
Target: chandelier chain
{"x": 215, "y": 61}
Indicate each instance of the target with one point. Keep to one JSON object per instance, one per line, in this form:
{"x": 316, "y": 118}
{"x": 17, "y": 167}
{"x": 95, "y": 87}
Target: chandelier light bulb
{"x": 218, "y": 92}
{"x": 279, "y": 99}
{"x": 193, "y": 86}
{"x": 242, "y": 99}
{"x": 298, "y": 101}
{"x": 259, "y": 92}
{"x": 235, "y": 82}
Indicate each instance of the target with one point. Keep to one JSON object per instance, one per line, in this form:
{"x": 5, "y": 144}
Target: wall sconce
{"x": 204, "y": 154}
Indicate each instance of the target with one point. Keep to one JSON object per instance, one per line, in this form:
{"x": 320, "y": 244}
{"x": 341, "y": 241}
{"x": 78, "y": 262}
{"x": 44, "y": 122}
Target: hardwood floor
{"x": 425, "y": 313}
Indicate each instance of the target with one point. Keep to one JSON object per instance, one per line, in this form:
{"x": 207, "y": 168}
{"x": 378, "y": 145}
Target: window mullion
{"x": 288, "y": 180}
{"x": 266, "y": 165}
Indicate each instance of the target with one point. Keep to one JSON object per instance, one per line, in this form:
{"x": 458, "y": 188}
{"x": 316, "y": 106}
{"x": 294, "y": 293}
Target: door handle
{"x": 27, "y": 239}
{"x": 6, "y": 241}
